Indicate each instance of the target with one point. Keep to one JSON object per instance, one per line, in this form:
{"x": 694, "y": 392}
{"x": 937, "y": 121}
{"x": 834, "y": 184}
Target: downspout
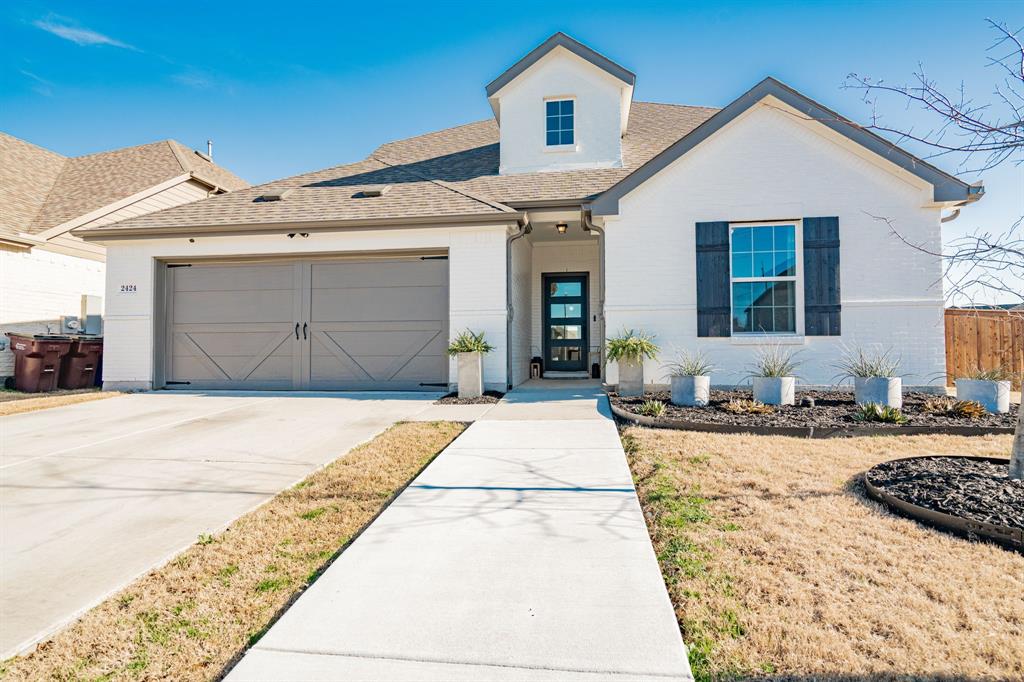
{"x": 524, "y": 230}
{"x": 585, "y": 219}
{"x": 951, "y": 217}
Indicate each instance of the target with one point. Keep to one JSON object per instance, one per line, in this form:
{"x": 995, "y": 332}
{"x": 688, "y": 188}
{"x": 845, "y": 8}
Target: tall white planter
{"x": 471, "y": 375}
{"x": 691, "y": 391}
{"x": 631, "y": 378}
{"x": 886, "y": 391}
{"x": 994, "y": 396}
{"x": 775, "y": 390}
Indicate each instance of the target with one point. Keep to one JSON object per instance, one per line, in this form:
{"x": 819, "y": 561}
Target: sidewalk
{"x": 520, "y": 553}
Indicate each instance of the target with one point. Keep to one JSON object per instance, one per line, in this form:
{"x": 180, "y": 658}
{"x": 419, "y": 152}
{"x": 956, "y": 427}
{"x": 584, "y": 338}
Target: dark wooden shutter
{"x": 821, "y": 277}
{"x": 714, "y": 310}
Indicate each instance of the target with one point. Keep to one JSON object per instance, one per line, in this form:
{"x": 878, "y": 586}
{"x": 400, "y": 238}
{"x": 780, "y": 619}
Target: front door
{"x": 565, "y": 322}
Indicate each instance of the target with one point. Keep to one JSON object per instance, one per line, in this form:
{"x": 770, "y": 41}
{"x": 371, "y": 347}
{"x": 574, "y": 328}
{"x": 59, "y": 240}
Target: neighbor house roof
{"x": 40, "y": 189}
{"x": 449, "y": 174}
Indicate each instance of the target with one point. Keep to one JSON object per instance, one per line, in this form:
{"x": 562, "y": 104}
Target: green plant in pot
{"x": 629, "y": 349}
{"x": 875, "y": 374}
{"x": 470, "y": 347}
{"x": 690, "y": 379}
{"x": 774, "y": 375}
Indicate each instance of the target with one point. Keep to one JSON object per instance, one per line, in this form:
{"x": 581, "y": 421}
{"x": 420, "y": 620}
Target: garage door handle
{"x": 296, "y": 331}
{"x": 304, "y": 326}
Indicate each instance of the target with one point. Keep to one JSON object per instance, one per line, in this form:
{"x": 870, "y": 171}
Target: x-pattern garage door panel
{"x": 329, "y": 325}
{"x": 379, "y": 324}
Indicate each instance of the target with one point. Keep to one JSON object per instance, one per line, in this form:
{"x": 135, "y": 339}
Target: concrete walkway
{"x": 520, "y": 553}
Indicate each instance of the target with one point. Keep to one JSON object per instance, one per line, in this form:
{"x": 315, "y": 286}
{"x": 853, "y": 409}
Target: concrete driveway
{"x": 96, "y": 494}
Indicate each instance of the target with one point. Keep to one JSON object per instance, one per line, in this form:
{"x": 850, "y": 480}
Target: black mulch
{"x": 970, "y": 489}
{"x": 833, "y": 408}
{"x": 486, "y": 399}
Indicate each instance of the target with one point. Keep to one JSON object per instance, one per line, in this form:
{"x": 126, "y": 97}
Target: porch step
{"x": 567, "y": 375}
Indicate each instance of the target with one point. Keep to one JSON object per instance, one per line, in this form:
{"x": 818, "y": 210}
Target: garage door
{"x": 329, "y": 325}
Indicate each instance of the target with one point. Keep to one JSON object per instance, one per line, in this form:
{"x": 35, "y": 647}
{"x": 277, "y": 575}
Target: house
{"x": 573, "y": 213}
{"x": 44, "y": 269}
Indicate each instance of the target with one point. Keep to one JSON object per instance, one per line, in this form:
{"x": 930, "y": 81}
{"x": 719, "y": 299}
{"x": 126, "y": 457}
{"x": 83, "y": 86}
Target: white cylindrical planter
{"x": 631, "y": 378}
{"x": 691, "y": 391}
{"x": 471, "y": 375}
{"x": 775, "y": 390}
{"x": 887, "y": 391}
{"x": 994, "y": 396}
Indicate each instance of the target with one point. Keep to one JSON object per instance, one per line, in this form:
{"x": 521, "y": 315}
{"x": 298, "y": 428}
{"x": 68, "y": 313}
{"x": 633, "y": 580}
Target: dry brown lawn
{"x": 16, "y": 402}
{"x": 778, "y": 565}
{"x": 191, "y": 618}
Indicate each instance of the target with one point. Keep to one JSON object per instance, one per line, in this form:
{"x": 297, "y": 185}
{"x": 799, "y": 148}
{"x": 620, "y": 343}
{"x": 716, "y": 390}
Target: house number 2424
{"x": 129, "y": 288}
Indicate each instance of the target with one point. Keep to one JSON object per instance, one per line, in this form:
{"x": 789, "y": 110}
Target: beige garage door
{"x": 327, "y": 325}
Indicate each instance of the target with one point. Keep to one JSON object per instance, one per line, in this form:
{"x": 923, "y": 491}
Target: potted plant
{"x": 774, "y": 380}
{"x": 875, "y": 376}
{"x": 629, "y": 349}
{"x": 690, "y": 377}
{"x": 470, "y": 349}
{"x": 990, "y": 387}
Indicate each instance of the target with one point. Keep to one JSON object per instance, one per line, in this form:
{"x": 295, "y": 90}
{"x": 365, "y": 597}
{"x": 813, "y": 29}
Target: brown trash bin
{"x": 37, "y": 360}
{"x": 80, "y": 365}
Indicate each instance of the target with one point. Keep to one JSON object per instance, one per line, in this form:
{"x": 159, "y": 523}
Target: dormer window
{"x": 560, "y": 117}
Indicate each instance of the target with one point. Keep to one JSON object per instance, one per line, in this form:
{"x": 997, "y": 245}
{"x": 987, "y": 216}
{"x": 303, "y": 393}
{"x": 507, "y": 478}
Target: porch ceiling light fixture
{"x": 561, "y": 227}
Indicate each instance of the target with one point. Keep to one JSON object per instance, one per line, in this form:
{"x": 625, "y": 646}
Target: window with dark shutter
{"x": 713, "y": 307}
{"x": 822, "y": 310}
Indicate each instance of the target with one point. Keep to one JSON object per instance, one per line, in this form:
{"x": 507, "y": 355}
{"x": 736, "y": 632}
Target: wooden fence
{"x": 984, "y": 339}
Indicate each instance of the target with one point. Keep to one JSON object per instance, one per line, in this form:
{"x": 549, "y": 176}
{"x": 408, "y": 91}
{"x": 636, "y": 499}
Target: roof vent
{"x": 275, "y": 196}
{"x": 372, "y": 192}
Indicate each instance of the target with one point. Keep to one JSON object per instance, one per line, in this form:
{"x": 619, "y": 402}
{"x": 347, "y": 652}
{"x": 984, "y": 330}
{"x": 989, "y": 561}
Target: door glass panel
{"x": 557, "y": 331}
{"x": 573, "y": 331}
{"x": 565, "y": 354}
{"x": 557, "y": 310}
{"x": 559, "y": 289}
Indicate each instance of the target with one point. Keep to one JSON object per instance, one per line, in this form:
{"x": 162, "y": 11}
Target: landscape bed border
{"x": 1003, "y": 535}
{"x": 806, "y": 431}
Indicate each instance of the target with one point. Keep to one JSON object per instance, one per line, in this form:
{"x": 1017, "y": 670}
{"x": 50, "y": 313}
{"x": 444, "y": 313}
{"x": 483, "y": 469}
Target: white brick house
{"x": 44, "y": 269}
{"x": 575, "y": 212}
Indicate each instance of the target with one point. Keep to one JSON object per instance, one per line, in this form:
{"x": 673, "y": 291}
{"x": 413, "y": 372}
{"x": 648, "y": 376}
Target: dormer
{"x": 561, "y": 107}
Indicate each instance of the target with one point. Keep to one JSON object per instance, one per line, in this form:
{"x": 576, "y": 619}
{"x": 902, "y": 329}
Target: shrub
{"x": 651, "y": 408}
{"x": 690, "y": 364}
{"x": 468, "y": 342}
{"x": 631, "y": 346}
{"x": 873, "y": 412}
{"x": 860, "y": 363}
{"x": 775, "y": 361}
{"x": 994, "y": 374}
{"x": 951, "y": 407}
{"x": 747, "y": 407}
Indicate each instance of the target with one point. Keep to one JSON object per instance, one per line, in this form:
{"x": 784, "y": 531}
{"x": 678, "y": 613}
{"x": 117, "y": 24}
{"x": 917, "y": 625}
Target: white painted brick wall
{"x": 598, "y": 124}
{"x": 37, "y": 287}
{"x": 523, "y": 312}
{"x": 476, "y": 285}
{"x": 767, "y": 165}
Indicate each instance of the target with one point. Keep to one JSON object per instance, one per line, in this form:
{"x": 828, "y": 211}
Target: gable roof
{"x": 441, "y": 177}
{"x": 946, "y": 187}
{"x": 41, "y": 189}
{"x": 577, "y": 48}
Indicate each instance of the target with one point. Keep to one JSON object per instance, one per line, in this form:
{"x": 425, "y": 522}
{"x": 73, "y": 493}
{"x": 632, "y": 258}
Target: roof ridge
{"x": 172, "y": 145}
{"x": 430, "y": 132}
{"x": 448, "y": 186}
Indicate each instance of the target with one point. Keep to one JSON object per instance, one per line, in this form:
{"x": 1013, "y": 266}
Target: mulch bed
{"x": 832, "y": 408}
{"x": 972, "y": 489}
{"x": 489, "y": 397}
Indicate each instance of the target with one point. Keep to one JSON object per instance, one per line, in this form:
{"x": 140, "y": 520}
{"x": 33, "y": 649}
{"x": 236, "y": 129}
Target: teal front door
{"x": 565, "y": 322}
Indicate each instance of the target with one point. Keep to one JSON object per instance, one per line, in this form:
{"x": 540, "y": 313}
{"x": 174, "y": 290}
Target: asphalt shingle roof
{"x": 444, "y": 173}
{"x": 40, "y": 189}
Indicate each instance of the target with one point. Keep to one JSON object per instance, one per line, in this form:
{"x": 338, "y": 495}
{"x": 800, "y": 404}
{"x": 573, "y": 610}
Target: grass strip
{"x": 16, "y": 402}
{"x": 194, "y": 616}
{"x": 778, "y": 565}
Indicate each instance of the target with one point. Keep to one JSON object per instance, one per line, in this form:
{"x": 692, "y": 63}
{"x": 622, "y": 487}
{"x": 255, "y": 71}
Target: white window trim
{"x": 798, "y": 335}
{"x": 575, "y": 128}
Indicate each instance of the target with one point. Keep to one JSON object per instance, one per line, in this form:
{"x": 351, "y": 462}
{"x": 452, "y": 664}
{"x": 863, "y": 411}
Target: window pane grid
{"x": 763, "y": 273}
{"x": 560, "y": 121}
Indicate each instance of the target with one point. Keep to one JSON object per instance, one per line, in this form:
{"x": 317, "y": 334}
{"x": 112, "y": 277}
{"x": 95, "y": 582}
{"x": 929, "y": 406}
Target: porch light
{"x": 561, "y": 227}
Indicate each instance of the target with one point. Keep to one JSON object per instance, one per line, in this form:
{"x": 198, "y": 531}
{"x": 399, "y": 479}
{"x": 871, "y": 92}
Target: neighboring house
{"x": 44, "y": 269}
{"x": 572, "y": 214}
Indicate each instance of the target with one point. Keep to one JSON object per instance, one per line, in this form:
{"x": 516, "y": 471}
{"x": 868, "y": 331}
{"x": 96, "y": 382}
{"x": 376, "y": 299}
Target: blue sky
{"x": 284, "y": 88}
